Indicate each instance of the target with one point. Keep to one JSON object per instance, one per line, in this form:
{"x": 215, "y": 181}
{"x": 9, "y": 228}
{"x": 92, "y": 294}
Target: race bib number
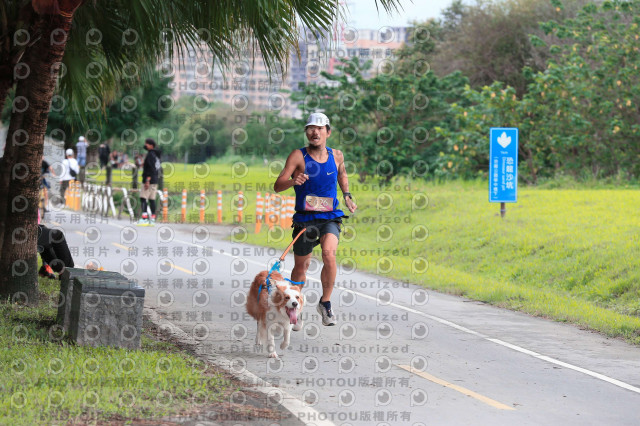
{"x": 318, "y": 204}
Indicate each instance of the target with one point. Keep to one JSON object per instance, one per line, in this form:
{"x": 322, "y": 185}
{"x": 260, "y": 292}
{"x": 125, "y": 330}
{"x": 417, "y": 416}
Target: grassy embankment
{"x": 44, "y": 378}
{"x": 566, "y": 254}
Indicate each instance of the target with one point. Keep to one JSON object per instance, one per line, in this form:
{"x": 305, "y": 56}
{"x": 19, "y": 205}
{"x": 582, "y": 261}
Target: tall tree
{"x": 19, "y": 181}
{"x": 579, "y": 116}
{"x": 385, "y": 124}
{"x": 487, "y": 40}
{"x": 126, "y": 38}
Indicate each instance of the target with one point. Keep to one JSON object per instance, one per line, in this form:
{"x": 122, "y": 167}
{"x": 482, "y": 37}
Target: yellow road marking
{"x": 179, "y": 268}
{"x": 80, "y": 233}
{"x": 460, "y": 389}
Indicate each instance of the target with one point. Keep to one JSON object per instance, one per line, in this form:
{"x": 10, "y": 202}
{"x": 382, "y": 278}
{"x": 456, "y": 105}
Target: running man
{"x": 314, "y": 173}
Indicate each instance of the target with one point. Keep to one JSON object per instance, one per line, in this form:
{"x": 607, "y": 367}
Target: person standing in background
{"x": 114, "y": 159}
{"x": 150, "y": 173}
{"x": 81, "y": 149}
{"x": 104, "y": 152}
{"x": 44, "y": 185}
{"x": 70, "y": 170}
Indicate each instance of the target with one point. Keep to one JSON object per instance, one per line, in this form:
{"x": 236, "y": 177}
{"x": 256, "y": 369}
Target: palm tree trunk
{"x": 5, "y": 86}
{"x": 19, "y": 181}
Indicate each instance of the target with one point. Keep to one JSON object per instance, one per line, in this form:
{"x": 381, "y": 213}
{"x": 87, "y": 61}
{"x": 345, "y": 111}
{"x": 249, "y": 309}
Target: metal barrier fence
{"x": 272, "y": 209}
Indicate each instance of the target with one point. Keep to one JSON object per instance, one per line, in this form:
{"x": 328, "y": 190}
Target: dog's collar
{"x": 267, "y": 285}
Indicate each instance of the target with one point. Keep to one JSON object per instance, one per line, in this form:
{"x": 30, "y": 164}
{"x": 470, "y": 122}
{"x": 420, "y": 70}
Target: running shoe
{"x": 328, "y": 317}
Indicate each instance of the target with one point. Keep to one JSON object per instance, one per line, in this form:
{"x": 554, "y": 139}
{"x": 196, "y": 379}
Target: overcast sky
{"x": 363, "y": 13}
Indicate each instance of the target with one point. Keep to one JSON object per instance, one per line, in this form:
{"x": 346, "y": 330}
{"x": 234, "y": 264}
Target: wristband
{"x": 347, "y": 194}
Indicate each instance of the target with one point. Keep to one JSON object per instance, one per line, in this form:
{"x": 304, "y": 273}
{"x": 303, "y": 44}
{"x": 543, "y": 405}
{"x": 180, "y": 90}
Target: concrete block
{"x": 106, "y": 310}
{"x": 66, "y": 292}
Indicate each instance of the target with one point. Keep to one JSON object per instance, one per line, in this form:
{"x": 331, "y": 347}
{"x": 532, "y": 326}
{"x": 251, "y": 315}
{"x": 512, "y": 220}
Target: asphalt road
{"x": 399, "y": 355}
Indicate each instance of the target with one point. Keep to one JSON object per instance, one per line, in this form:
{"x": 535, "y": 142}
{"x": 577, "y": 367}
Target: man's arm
{"x": 343, "y": 181}
{"x": 146, "y": 170}
{"x": 292, "y": 167}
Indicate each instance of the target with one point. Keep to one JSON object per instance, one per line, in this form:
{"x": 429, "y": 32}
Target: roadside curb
{"x": 296, "y": 407}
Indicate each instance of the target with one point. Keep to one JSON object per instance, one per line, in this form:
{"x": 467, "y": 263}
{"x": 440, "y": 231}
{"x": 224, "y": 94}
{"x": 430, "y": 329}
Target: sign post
{"x": 503, "y": 166}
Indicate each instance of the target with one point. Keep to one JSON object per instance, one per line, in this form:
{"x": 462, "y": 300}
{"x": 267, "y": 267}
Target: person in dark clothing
{"x": 44, "y": 185}
{"x": 103, "y": 154}
{"x": 44, "y": 169}
{"x": 150, "y": 173}
{"x": 54, "y": 251}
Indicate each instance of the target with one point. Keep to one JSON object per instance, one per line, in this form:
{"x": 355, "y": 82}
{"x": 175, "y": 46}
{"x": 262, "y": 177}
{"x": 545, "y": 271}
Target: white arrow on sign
{"x": 504, "y": 140}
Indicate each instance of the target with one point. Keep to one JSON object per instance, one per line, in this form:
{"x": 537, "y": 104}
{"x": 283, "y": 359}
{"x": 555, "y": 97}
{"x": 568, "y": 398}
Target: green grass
{"x": 44, "y": 378}
{"x": 565, "y": 251}
{"x": 564, "y": 254}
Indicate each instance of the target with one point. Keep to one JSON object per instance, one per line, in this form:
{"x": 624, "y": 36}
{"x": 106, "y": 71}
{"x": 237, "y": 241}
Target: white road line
{"x": 570, "y": 366}
{"x": 510, "y": 345}
{"x": 458, "y": 327}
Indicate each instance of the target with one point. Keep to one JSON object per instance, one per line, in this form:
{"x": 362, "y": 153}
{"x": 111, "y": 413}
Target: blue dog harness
{"x": 267, "y": 284}
{"x": 276, "y": 267}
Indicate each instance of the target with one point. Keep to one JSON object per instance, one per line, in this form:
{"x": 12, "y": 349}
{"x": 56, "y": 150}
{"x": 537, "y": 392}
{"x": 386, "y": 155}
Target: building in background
{"x": 246, "y": 85}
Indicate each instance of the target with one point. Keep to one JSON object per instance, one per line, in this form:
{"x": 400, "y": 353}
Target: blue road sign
{"x": 503, "y": 165}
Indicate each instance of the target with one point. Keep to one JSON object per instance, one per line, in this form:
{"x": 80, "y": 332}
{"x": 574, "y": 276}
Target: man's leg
{"x": 63, "y": 189}
{"x": 329, "y": 245}
{"x": 302, "y": 262}
{"x": 299, "y": 272}
{"x": 152, "y": 200}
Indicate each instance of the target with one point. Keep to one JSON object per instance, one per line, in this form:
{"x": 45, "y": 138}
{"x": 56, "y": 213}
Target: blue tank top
{"x": 322, "y": 182}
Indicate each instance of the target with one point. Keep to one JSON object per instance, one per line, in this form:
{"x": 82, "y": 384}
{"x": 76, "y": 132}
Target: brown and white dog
{"x": 282, "y": 307}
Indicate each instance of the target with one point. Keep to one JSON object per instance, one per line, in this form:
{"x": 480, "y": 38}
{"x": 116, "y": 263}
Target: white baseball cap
{"x": 317, "y": 119}
{"x": 69, "y": 152}
{"x": 81, "y": 139}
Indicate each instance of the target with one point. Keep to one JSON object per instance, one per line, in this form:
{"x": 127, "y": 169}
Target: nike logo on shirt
{"x": 330, "y": 173}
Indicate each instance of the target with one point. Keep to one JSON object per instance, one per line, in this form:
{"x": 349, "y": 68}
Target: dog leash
{"x": 276, "y": 267}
